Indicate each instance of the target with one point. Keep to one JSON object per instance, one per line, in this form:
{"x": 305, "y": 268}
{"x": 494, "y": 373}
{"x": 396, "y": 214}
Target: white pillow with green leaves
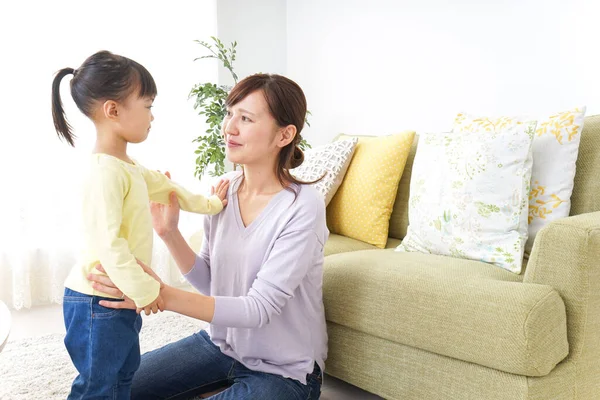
{"x": 469, "y": 194}
{"x": 555, "y": 149}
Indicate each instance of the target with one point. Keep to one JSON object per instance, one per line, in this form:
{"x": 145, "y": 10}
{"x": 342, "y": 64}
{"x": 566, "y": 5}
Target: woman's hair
{"x": 103, "y": 76}
{"x": 287, "y": 105}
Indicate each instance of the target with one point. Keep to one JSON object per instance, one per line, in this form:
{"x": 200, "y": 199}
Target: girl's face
{"x": 252, "y": 135}
{"x": 135, "y": 118}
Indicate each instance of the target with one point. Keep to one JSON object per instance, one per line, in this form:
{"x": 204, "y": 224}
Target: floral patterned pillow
{"x": 469, "y": 193}
{"x": 555, "y": 150}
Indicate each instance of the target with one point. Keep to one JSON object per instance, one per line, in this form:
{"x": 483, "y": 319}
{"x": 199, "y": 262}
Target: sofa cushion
{"x": 363, "y": 204}
{"x": 458, "y": 308}
{"x": 327, "y": 165}
{"x": 469, "y": 192}
{"x": 584, "y": 198}
{"x": 342, "y": 244}
{"x": 554, "y": 149}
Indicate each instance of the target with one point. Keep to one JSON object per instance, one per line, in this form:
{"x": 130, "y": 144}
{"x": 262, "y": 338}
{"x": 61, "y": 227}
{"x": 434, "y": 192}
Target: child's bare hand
{"x": 154, "y": 307}
{"x": 221, "y": 190}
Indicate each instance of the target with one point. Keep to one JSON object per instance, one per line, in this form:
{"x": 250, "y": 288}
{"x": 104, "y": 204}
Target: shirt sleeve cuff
{"x": 216, "y": 205}
{"x": 151, "y": 295}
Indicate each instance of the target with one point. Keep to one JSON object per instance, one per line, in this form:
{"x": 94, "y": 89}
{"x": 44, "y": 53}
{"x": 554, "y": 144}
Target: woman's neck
{"x": 260, "y": 181}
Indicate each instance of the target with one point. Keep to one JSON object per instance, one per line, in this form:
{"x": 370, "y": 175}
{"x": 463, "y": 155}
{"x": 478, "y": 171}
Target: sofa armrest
{"x": 566, "y": 256}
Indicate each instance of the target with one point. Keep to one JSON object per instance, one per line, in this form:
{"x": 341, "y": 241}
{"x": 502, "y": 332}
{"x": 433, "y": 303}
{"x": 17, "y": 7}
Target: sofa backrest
{"x": 399, "y": 217}
{"x": 586, "y": 193}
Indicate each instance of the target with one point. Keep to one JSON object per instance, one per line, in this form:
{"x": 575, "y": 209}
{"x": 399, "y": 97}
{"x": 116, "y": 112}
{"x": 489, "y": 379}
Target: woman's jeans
{"x": 195, "y": 365}
{"x": 104, "y": 346}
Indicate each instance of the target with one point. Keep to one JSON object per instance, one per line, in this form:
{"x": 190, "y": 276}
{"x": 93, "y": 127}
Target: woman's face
{"x": 252, "y": 135}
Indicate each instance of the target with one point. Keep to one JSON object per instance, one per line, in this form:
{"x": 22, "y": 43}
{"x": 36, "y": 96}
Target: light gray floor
{"x": 46, "y": 320}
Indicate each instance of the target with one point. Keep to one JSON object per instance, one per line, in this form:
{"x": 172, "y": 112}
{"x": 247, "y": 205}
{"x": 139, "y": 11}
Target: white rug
{"x": 40, "y": 368}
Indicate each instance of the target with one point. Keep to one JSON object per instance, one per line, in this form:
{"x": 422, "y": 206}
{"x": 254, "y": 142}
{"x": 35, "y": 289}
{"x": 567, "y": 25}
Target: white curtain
{"x": 40, "y": 175}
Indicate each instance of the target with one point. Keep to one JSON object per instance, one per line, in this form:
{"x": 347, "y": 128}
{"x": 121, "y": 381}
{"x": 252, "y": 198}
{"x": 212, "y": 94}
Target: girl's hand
{"x": 165, "y": 218}
{"x": 221, "y": 190}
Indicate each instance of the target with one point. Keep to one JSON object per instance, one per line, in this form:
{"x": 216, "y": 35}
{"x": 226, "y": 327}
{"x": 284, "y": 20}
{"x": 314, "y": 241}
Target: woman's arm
{"x": 296, "y": 252}
{"x": 193, "y": 305}
{"x": 181, "y": 251}
{"x": 274, "y": 286}
{"x": 165, "y": 220}
{"x": 196, "y": 269}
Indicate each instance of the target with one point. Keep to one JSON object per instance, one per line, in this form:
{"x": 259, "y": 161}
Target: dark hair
{"x": 103, "y": 76}
{"x": 287, "y": 105}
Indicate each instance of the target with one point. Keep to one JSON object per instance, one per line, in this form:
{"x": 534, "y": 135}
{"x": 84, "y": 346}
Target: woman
{"x": 259, "y": 271}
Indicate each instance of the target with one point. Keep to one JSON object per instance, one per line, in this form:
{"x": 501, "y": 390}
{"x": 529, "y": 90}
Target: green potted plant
{"x": 209, "y": 101}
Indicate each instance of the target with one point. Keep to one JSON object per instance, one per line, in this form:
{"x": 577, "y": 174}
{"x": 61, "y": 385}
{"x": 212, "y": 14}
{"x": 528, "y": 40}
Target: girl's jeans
{"x": 104, "y": 346}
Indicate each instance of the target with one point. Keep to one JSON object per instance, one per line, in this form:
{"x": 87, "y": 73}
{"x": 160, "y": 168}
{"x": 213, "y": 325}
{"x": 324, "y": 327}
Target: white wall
{"x": 259, "y": 27}
{"x": 63, "y": 33}
{"x": 380, "y": 66}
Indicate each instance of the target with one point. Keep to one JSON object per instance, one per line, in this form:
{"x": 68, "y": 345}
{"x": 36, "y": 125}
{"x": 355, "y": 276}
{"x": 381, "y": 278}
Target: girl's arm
{"x": 102, "y": 223}
{"x": 160, "y": 187}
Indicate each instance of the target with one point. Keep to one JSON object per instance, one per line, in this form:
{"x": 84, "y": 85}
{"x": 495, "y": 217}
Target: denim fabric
{"x": 195, "y": 365}
{"x": 103, "y": 344}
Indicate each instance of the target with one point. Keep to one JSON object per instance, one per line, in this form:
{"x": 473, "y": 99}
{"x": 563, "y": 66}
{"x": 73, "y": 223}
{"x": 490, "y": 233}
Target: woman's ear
{"x": 110, "y": 109}
{"x": 287, "y": 135}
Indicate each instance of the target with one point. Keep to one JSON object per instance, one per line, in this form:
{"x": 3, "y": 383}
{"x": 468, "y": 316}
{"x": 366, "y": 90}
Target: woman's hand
{"x": 105, "y": 285}
{"x": 165, "y": 218}
{"x": 221, "y": 190}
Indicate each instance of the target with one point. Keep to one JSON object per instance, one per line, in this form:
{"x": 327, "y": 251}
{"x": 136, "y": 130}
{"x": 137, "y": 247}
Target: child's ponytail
{"x": 102, "y": 76}
{"x": 62, "y": 126}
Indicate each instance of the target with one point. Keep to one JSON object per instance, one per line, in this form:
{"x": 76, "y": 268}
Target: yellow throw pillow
{"x": 362, "y": 206}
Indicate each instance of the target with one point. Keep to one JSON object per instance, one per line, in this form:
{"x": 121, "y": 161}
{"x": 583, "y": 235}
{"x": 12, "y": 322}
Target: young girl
{"x": 116, "y": 93}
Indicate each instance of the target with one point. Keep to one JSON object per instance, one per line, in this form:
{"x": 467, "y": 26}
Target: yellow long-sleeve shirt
{"x": 117, "y": 224}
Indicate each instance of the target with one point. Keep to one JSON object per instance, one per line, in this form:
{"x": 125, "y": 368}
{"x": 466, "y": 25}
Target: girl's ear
{"x": 110, "y": 109}
{"x": 287, "y": 135}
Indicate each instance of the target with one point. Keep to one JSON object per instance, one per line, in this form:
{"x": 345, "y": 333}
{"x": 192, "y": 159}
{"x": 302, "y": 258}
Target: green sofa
{"x": 416, "y": 326}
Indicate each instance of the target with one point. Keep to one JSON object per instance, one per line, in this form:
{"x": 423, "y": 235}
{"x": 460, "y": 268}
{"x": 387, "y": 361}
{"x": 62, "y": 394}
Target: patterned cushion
{"x": 555, "y": 149}
{"x": 469, "y": 193}
{"x": 330, "y": 162}
{"x": 362, "y": 207}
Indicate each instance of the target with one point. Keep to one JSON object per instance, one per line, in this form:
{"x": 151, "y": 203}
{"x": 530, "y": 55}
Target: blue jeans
{"x": 104, "y": 346}
{"x": 195, "y": 365}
